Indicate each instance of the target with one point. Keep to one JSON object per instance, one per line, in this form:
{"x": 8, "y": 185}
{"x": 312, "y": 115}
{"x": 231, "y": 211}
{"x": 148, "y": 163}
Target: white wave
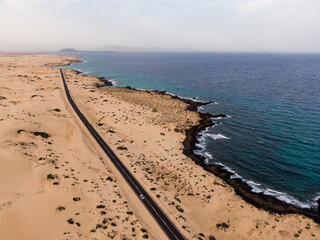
{"x": 218, "y": 118}
{"x": 234, "y": 174}
{"x": 253, "y": 183}
{"x": 208, "y": 155}
{"x": 217, "y": 136}
{"x": 286, "y": 198}
{"x": 314, "y": 204}
{"x": 142, "y": 89}
{"x": 273, "y": 191}
{"x": 196, "y": 99}
{"x": 200, "y": 145}
{"x": 81, "y": 71}
{"x": 200, "y": 108}
{"x": 113, "y": 81}
{"x": 256, "y": 187}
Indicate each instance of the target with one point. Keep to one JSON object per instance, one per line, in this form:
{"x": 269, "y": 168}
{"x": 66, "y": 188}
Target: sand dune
{"x": 53, "y": 182}
{"x": 57, "y": 184}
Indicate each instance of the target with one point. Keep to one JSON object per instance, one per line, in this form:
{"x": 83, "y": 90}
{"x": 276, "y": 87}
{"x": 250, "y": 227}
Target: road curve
{"x": 161, "y": 218}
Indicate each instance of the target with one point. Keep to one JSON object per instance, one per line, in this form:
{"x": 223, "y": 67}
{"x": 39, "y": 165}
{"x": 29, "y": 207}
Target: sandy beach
{"x": 56, "y": 183}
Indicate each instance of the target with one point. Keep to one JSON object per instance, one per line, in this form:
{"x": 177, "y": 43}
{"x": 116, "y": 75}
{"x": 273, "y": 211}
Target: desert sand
{"x": 57, "y": 184}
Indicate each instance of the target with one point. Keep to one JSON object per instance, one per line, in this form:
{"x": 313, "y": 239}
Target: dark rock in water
{"x": 243, "y": 189}
{"x": 131, "y": 88}
{"x": 104, "y": 83}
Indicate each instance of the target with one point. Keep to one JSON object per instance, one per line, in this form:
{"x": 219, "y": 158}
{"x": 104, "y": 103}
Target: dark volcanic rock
{"x": 103, "y": 83}
{"x": 244, "y": 190}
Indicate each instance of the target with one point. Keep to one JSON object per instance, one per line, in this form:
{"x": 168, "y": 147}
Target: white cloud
{"x": 17, "y": 5}
{"x": 231, "y": 25}
{"x": 36, "y": 5}
{"x": 249, "y": 8}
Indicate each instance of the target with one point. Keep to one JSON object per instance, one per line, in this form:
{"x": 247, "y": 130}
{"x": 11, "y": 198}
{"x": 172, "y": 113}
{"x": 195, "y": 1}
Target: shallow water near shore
{"x": 272, "y": 135}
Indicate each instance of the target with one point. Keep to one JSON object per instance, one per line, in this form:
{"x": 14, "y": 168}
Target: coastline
{"x": 55, "y": 182}
{"x": 244, "y": 190}
{"x": 65, "y": 178}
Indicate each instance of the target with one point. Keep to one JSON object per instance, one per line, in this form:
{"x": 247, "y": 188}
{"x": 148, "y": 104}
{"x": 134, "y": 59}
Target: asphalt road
{"x": 161, "y": 218}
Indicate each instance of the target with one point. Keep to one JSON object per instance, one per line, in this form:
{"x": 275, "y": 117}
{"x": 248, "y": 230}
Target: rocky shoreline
{"x": 104, "y": 82}
{"x": 259, "y": 200}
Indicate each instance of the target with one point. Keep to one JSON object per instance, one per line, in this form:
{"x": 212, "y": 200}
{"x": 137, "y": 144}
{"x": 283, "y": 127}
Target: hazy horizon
{"x": 204, "y": 25}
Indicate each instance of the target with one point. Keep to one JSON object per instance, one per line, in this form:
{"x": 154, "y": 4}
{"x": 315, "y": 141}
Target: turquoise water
{"x": 272, "y": 136}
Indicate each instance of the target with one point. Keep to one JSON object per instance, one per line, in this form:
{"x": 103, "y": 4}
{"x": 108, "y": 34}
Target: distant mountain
{"x": 68, "y": 50}
{"x": 117, "y": 48}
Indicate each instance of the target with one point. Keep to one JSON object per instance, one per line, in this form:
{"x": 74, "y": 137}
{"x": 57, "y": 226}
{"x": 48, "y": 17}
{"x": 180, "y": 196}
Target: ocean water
{"x": 271, "y": 138}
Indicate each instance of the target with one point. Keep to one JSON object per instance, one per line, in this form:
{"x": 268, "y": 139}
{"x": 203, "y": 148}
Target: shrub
{"x": 41, "y": 134}
{"x": 122, "y": 148}
{"x": 70, "y": 221}
{"x": 222, "y": 226}
{"x": 51, "y": 176}
{"x": 109, "y": 179}
{"x": 179, "y": 208}
{"x": 76, "y": 199}
{"x": 98, "y": 226}
{"x": 60, "y": 208}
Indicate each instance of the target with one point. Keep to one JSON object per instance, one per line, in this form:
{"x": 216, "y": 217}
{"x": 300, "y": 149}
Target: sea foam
{"x": 256, "y": 187}
{"x": 217, "y": 136}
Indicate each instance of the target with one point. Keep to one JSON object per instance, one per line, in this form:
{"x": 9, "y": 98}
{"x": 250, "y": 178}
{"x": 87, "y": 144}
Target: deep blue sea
{"x": 272, "y": 136}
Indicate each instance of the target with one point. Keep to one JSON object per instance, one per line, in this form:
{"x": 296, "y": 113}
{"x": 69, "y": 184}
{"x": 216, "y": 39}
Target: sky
{"x": 203, "y": 25}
